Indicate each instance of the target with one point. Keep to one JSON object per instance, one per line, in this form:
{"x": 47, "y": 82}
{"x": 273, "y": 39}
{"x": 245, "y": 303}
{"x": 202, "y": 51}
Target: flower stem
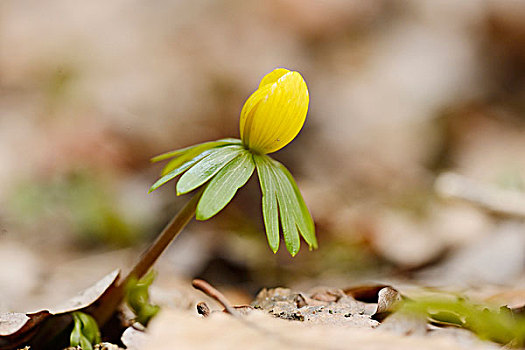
{"x": 108, "y": 304}
{"x": 168, "y": 234}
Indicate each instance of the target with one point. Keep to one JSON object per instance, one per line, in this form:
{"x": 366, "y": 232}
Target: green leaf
{"x": 269, "y": 201}
{"x": 303, "y": 218}
{"x": 76, "y": 334}
{"x": 230, "y": 140}
{"x": 221, "y": 189}
{"x": 176, "y": 172}
{"x": 177, "y": 152}
{"x": 281, "y": 197}
{"x": 287, "y": 211}
{"x": 137, "y": 298}
{"x": 286, "y": 200}
{"x": 85, "y": 331}
{"x": 486, "y": 321}
{"x": 181, "y": 159}
{"x": 201, "y": 147}
{"x": 191, "y": 152}
{"x": 207, "y": 168}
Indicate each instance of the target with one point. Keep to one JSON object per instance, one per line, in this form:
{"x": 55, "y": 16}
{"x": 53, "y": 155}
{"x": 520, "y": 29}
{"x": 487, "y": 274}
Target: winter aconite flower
{"x": 275, "y": 113}
{"x": 270, "y": 119}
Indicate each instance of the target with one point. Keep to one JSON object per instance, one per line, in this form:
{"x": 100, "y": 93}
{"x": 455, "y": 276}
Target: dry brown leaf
{"x": 388, "y": 300}
{"x": 365, "y": 293}
{"x": 41, "y": 329}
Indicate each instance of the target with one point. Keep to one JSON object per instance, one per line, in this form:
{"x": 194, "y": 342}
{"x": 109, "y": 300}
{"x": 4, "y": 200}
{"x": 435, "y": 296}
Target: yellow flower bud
{"x": 275, "y": 113}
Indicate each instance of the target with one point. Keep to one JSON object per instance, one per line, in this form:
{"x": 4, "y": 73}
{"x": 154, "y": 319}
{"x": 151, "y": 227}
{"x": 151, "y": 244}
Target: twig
{"x": 213, "y": 293}
{"x": 495, "y": 200}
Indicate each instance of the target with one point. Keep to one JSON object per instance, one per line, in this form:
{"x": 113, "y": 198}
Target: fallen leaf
{"x": 365, "y": 293}
{"x": 388, "y": 301}
{"x": 45, "y": 329}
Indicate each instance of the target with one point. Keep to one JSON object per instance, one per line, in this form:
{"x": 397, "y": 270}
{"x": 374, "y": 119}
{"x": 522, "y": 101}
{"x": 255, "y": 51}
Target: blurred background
{"x": 401, "y": 92}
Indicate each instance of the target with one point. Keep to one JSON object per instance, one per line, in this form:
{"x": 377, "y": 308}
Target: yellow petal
{"x": 275, "y": 113}
{"x": 248, "y": 110}
{"x": 273, "y": 76}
